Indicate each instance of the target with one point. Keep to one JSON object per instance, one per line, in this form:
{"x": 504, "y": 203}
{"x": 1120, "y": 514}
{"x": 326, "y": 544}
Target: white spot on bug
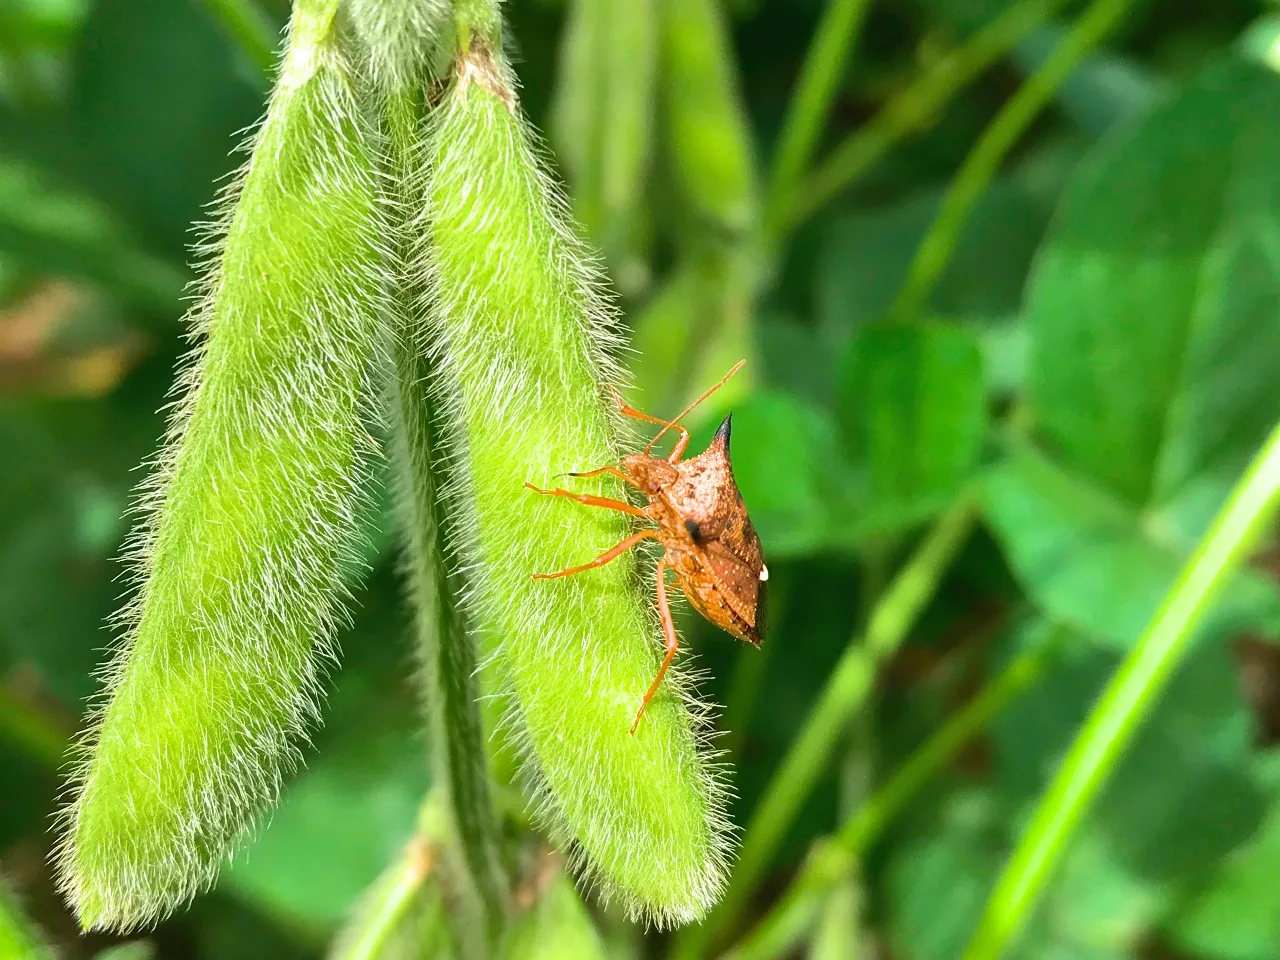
{"x": 764, "y": 574}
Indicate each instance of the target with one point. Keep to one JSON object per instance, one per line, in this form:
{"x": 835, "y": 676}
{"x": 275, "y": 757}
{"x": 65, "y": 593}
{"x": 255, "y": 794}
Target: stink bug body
{"x": 701, "y": 521}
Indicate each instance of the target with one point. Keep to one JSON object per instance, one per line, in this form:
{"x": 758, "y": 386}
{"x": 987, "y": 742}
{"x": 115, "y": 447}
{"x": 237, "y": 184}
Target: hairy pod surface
{"x": 248, "y": 518}
{"x": 404, "y": 42}
{"x": 523, "y": 339}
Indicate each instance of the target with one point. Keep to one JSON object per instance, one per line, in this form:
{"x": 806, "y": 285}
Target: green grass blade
{"x": 1128, "y": 698}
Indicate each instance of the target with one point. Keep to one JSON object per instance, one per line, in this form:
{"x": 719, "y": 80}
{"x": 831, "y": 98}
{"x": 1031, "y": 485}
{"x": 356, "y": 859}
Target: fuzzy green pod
{"x": 405, "y": 42}
{"x": 523, "y": 340}
{"x": 249, "y": 516}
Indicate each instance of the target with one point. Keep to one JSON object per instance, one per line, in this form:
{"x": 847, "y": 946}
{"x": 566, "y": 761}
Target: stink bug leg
{"x": 669, "y": 632}
{"x": 610, "y": 469}
{"x": 610, "y": 554}
{"x": 590, "y": 501}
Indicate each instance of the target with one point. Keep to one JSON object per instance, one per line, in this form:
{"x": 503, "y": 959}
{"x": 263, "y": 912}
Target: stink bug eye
{"x": 701, "y": 521}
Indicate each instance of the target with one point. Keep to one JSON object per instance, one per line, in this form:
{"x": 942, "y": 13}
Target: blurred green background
{"x": 1096, "y": 347}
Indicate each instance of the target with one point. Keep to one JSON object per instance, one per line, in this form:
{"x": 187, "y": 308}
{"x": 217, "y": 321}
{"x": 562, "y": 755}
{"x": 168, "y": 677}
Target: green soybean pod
{"x": 249, "y": 515}
{"x": 523, "y": 341}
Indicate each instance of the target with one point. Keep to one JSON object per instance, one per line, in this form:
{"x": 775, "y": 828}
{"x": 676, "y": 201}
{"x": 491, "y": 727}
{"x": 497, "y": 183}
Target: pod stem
{"x": 446, "y": 646}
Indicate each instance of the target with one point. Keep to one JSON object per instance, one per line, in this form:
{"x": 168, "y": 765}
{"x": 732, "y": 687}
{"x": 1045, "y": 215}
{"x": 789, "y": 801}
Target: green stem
{"x": 447, "y": 650}
{"x": 846, "y": 691}
{"x": 786, "y": 924}
{"x": 1128, "y": 698}
{"x": 30, "y": 732}
{"x": 1001, "y": 135}
{"x": 251, "y": 29}
{"x": 823, "y": 69}
{"x": 913, "y": 108}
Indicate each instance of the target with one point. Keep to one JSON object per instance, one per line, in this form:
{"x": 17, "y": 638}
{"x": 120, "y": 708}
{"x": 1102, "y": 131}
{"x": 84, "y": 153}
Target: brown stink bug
{"x": 702, "y": 523}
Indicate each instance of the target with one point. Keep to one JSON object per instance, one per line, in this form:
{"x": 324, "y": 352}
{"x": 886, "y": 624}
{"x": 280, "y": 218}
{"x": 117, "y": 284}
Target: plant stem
{"x": 447, "y": 650}
{"x": 1000, "y": 136}
{"x": 911, "y": 109}
{"x": 250, "y": 28}
{"x": 786, "y": 924}
{"x": 1128, "y": 698}
{"x": 846, "y": 691}
{"x": 820, "y": 75}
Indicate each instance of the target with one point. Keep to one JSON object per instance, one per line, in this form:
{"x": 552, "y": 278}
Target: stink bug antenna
{"x": 689, "y": 409}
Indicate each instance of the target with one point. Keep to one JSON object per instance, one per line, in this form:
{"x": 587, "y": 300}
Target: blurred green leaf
{"x": 865, "y": 256}
{"x": 1152, "y": 323}
{"x": 340, "y": 822}
{"x": 158, "y": 106}
{"x": 1185, "y": 795}
{"x": 51, "y": 229}
{"x": 939, "y": 877}
{"x": 1235, "y": 913}
{"x": 61, "y": 516}
{"x": 19, "y": 939}
{"x": 558, "y": 927}
{"x": 1091, "y": 561}
{"x": 1155, "y": 305}
{"x": 783, "y": 449}
{"x": 912, "y": 405}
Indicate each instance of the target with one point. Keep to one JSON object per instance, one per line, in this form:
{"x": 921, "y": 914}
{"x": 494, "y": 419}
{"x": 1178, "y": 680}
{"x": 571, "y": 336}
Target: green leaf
{"x": 865, "y": 254}
{"x": 158, "y": 104}
{"x": 1186, "y": 793}
{"x": 1236, "y": 914}
{"x": 1155, "y": 323}
{"x": 912, "y": 404}
{"x": 19, "y": 939}
{"x": 1090, "y": 561}
{"x": 558, "y": 927}
{"x": 49, "y": 227}
{"x": 1155, "y": 306}
{"x": 338, "y": 825}
{"x": 939, "y": 876}
{"x": 783, "y": 449}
